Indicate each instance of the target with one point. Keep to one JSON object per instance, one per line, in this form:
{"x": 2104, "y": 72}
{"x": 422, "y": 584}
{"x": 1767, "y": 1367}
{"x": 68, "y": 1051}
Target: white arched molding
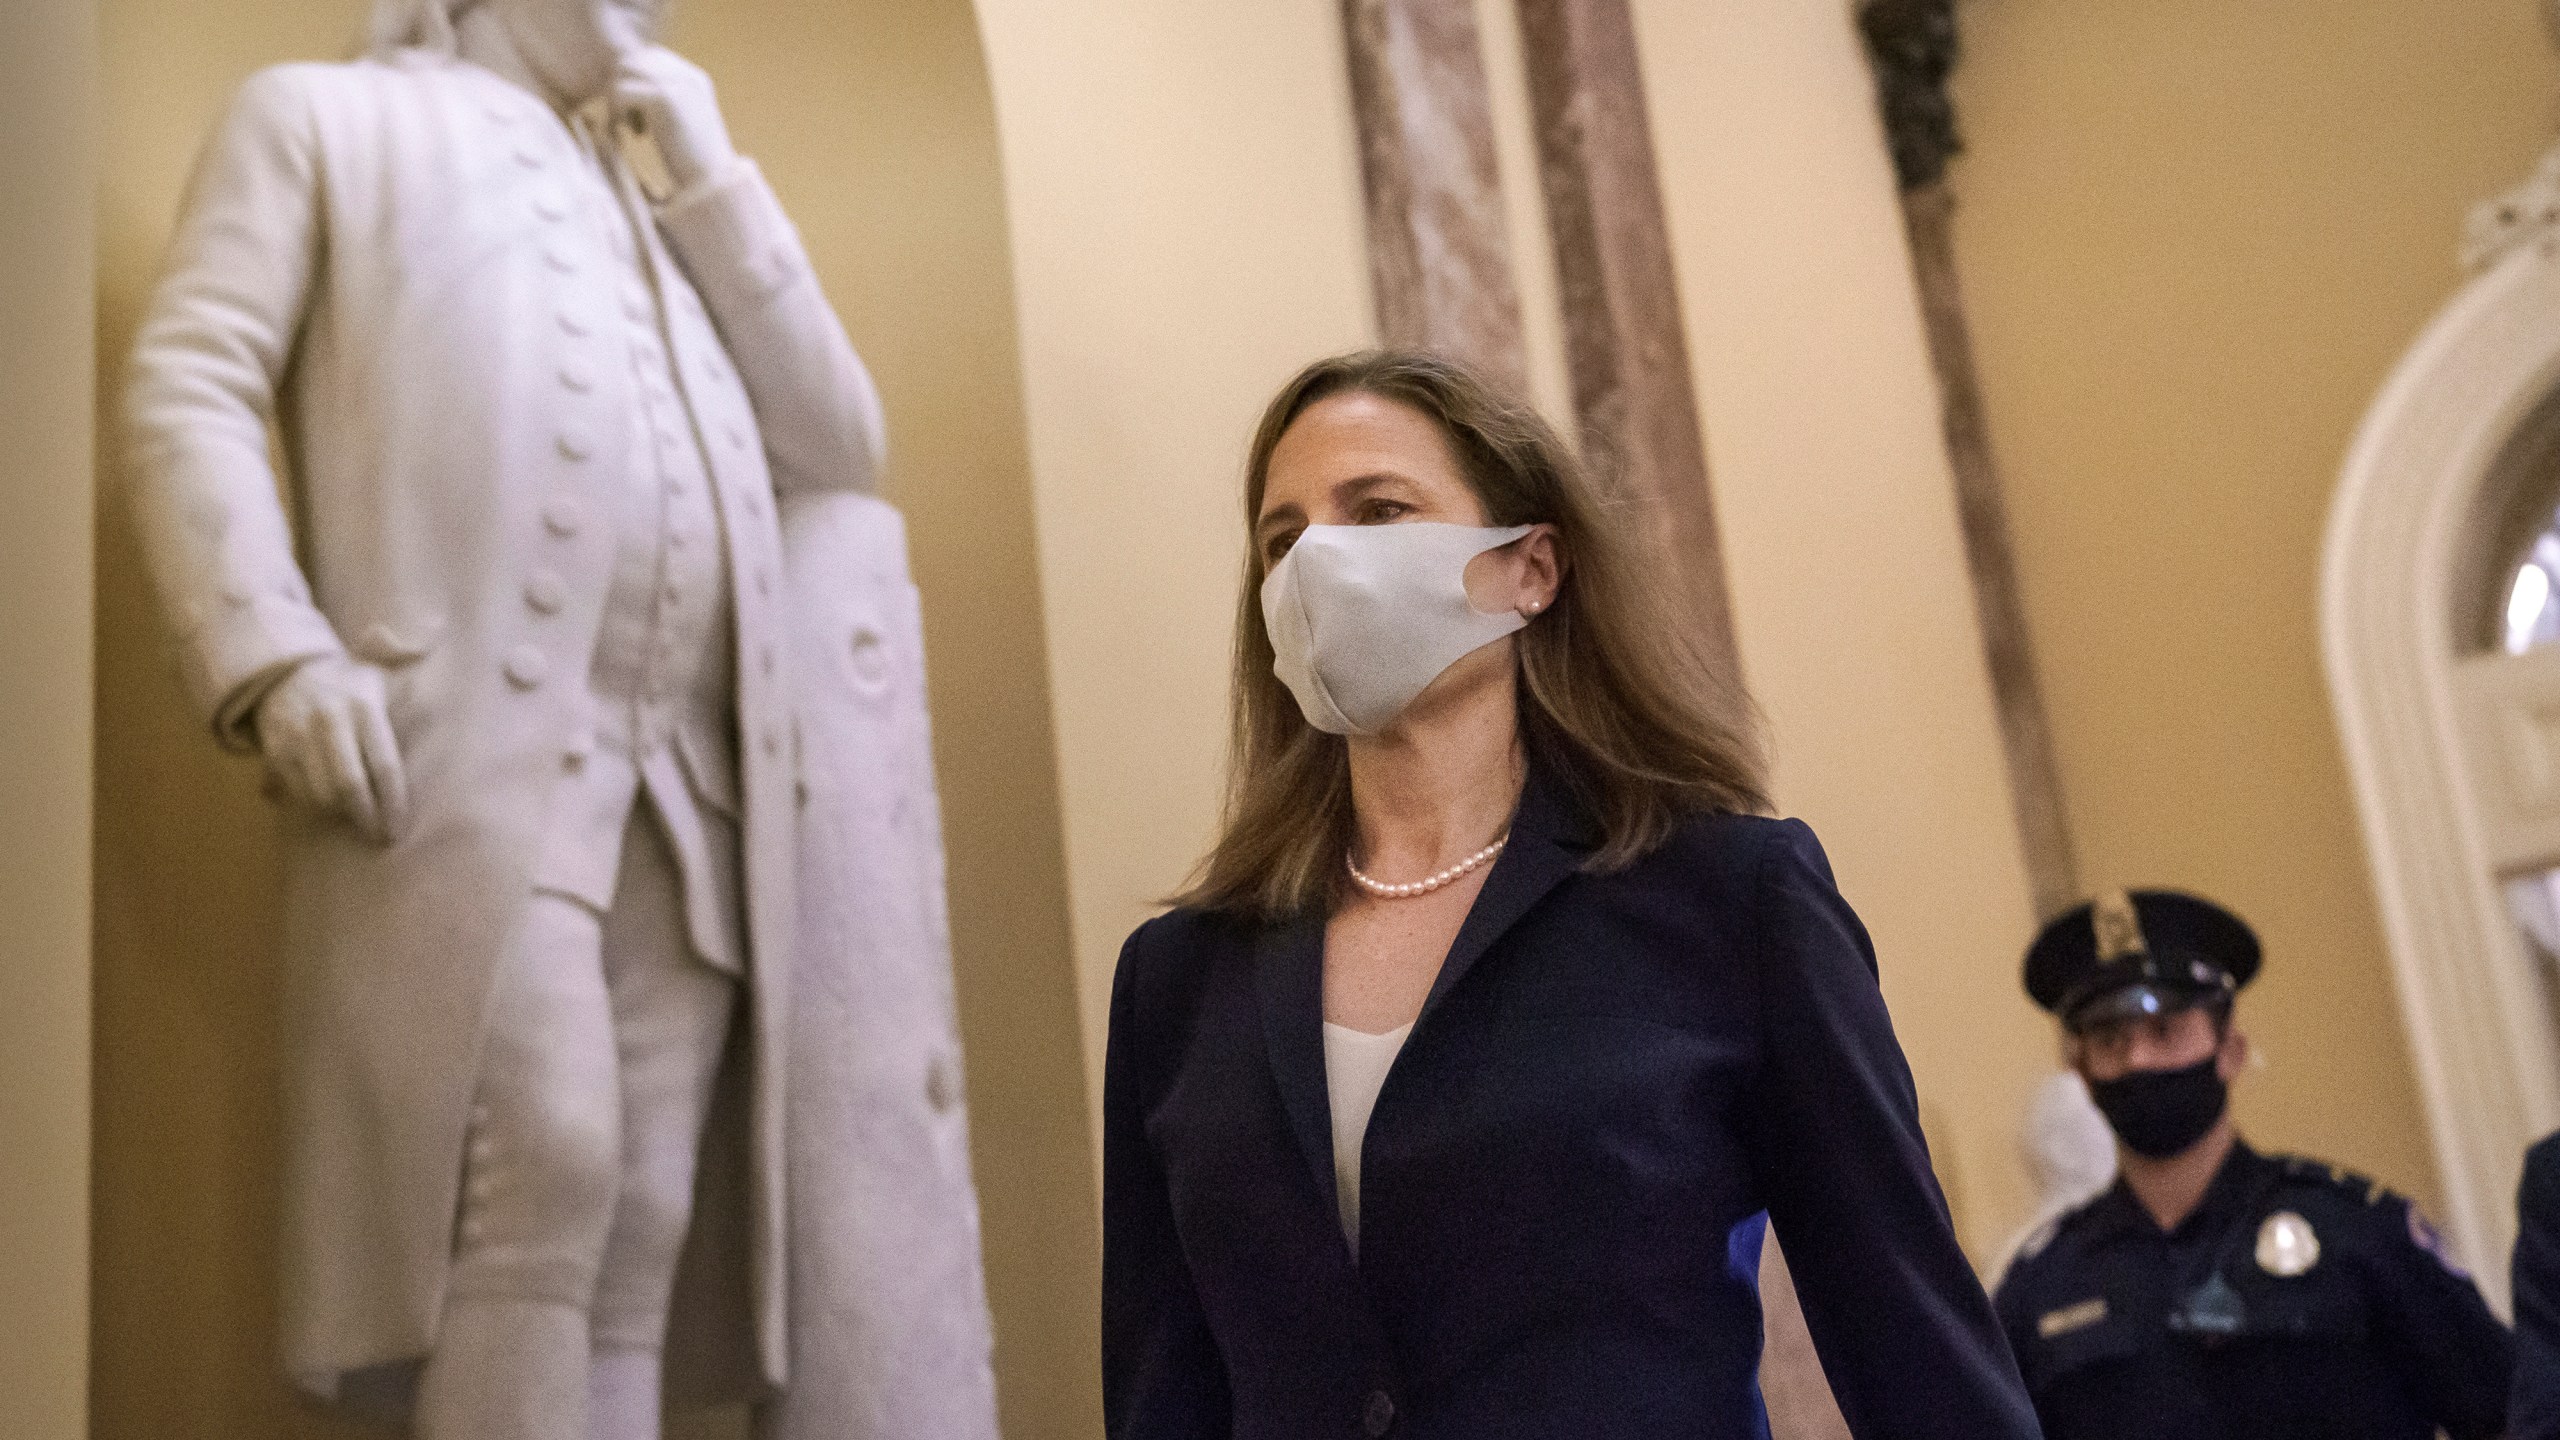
{"x": 2455, "y": 749}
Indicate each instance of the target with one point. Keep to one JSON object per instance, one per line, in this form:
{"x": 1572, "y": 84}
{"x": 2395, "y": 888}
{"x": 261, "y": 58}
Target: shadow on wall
{"x": 874, "y": 120}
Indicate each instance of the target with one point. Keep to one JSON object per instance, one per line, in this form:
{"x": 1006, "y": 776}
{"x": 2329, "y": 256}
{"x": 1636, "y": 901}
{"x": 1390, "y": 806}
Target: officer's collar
{"x": 2231, "y": 1189}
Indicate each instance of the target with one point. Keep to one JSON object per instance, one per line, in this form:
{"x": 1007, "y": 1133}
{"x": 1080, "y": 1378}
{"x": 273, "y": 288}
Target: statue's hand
{"x": 670, "y": 99}
{"x": 325, "y": 730}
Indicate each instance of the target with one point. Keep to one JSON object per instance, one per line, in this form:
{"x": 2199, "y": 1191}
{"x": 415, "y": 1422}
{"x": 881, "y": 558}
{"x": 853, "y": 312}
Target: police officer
{"x": 2213, "y": 1291}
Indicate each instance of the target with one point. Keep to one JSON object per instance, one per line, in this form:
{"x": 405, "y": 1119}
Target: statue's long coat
{"x": 890, "y": 1337}
{"x": 377, "y": 256}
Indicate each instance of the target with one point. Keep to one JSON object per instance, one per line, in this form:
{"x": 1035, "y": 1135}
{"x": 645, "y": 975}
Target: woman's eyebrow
{"x": 1360, "y": 486}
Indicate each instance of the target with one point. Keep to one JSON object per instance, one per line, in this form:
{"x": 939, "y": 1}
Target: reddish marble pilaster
{"x": 1624, "y": 344}
{"x": 1439, "y": 257}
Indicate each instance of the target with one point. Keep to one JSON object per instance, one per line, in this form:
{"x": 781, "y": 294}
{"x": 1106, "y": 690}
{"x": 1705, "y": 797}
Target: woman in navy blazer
{"x": 1650, "y": 1019}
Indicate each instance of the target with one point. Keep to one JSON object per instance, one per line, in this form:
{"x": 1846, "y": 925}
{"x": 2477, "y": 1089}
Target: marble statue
{"x": 519, "y": 642}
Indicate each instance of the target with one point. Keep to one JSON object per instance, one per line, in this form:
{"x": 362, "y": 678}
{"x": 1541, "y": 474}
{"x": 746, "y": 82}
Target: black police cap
{"x": 2139, "y": 952}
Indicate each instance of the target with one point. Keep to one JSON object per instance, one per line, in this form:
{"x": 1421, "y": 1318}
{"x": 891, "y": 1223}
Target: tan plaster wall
{"x": 1850, "y": 594}
{"x": 2194, "y": 237}
{"x": 874, "y": 122}
{"x": 1185, "y": 203}
{"x": 46, "y": 98}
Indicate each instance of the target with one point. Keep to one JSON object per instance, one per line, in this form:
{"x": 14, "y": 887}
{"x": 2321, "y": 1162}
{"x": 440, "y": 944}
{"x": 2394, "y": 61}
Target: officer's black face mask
{"x": 2158, "y": 1113}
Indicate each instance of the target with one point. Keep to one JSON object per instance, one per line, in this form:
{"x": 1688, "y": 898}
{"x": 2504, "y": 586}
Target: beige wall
{"x": 1185, "y": 203}
{"x": 46, "y": 53}
{"x": 2194, "y": 238}
{"x": 1849, "y": 588}
{"x": 873, "y": 121}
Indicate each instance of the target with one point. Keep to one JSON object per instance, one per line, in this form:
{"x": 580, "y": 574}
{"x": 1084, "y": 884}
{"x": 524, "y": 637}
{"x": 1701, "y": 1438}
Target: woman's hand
{"x": 669, "y": 99}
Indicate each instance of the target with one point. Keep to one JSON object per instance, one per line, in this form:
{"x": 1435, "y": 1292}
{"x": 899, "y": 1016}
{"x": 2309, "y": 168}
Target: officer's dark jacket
{"x": 2535, "y": 1414}
{"x": 1610, "y": 1073}
{"x": 2379, "y": 1337}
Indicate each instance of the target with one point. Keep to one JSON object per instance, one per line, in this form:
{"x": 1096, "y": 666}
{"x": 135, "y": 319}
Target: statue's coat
{"x": 373, "y": 258}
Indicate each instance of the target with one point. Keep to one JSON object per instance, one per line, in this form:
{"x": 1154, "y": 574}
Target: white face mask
{"x": 1364, "y": 617}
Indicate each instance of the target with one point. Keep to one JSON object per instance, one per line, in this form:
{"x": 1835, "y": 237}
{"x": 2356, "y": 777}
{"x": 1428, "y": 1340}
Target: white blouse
{"x": 1355, "y": 1065}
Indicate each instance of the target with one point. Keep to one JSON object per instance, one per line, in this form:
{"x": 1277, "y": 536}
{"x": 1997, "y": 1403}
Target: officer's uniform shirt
{"x": 2296, "y": 1301}
{"x": 662, "y": 684}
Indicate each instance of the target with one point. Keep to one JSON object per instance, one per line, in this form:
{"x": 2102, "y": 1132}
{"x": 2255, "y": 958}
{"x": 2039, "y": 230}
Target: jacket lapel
{"x": 1541, "y": 853}
{"x": 1289, "y": 980}
{"x": 1289, "y": 962}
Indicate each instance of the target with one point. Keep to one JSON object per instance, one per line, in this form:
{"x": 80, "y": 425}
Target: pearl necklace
{"x": 1446, "y": 877}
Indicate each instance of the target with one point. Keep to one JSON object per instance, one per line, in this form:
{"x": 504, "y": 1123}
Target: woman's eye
{"x": 1379, "y": 512}
{"x": 1277, "y": 546}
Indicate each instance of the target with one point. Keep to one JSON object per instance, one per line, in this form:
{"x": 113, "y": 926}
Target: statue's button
{"x": 1380, "y": 1416}
{"x": 528, "y": 156}
{"x": 562, "y": 518}
{"x": 942, "y": 1084}
{"x": 753, "y": 501}
{"x": 764, "y": 659}
{"x": 870, "y": 659}
{"x": 773, "y": 743}
{"x": 712, "y": 367}
{"x": 550, "y": 206}
{"x": 577, "y": 377}
{"x": 635, "y": 303}
{"x": 738, "y": 437}
{"x": 557, "y": 256}
{"x": 577, "y": 443}
{"x": 545, "y": 592}
{"x": 526, "y": 666}
{"x": 764, "y": 581}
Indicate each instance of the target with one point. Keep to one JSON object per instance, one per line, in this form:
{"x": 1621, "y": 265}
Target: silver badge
{"x": 2287, "y": 1245}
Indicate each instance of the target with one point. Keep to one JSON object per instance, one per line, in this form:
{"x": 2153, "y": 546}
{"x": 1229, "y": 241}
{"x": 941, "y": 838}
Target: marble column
{"x": 1439, "y": 256}
{"x": 1632, "y": 393}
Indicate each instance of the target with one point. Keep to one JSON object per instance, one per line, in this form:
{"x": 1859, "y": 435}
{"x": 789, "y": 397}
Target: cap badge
{"x": 2287, "y": 1246}
{"x": 2119, "y": 929}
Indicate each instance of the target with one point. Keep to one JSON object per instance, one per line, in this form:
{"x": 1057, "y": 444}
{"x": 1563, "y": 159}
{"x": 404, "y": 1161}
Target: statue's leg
{"x": 671, "y": 1015}
{"x": 510, "y": 1360}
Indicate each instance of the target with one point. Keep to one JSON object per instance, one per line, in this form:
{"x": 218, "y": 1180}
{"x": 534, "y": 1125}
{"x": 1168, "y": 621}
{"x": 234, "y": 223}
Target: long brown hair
{"x": 1614, "y": 699}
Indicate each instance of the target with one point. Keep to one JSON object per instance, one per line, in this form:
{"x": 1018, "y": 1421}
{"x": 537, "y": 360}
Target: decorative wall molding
{"x": 1913, "y": 47}
{"x": 2521, "y": 216}
{"x": 2419, "y": 720}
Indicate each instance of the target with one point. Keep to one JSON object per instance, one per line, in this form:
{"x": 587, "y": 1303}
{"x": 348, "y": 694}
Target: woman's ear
{"x": 1541, "y": 569}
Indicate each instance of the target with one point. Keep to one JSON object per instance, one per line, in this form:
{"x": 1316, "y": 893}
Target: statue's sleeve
{"x": 201, "y": 395}
{"x": 813, "y": 398}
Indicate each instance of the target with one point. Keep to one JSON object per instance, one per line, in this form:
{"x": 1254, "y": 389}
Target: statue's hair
{"x": 413, "y": 25}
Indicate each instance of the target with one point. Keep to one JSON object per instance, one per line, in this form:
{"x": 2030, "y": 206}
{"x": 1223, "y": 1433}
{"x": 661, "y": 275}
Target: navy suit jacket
{"x": 1612, "y": 1072}
{"x": 2534, "y": 1412}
